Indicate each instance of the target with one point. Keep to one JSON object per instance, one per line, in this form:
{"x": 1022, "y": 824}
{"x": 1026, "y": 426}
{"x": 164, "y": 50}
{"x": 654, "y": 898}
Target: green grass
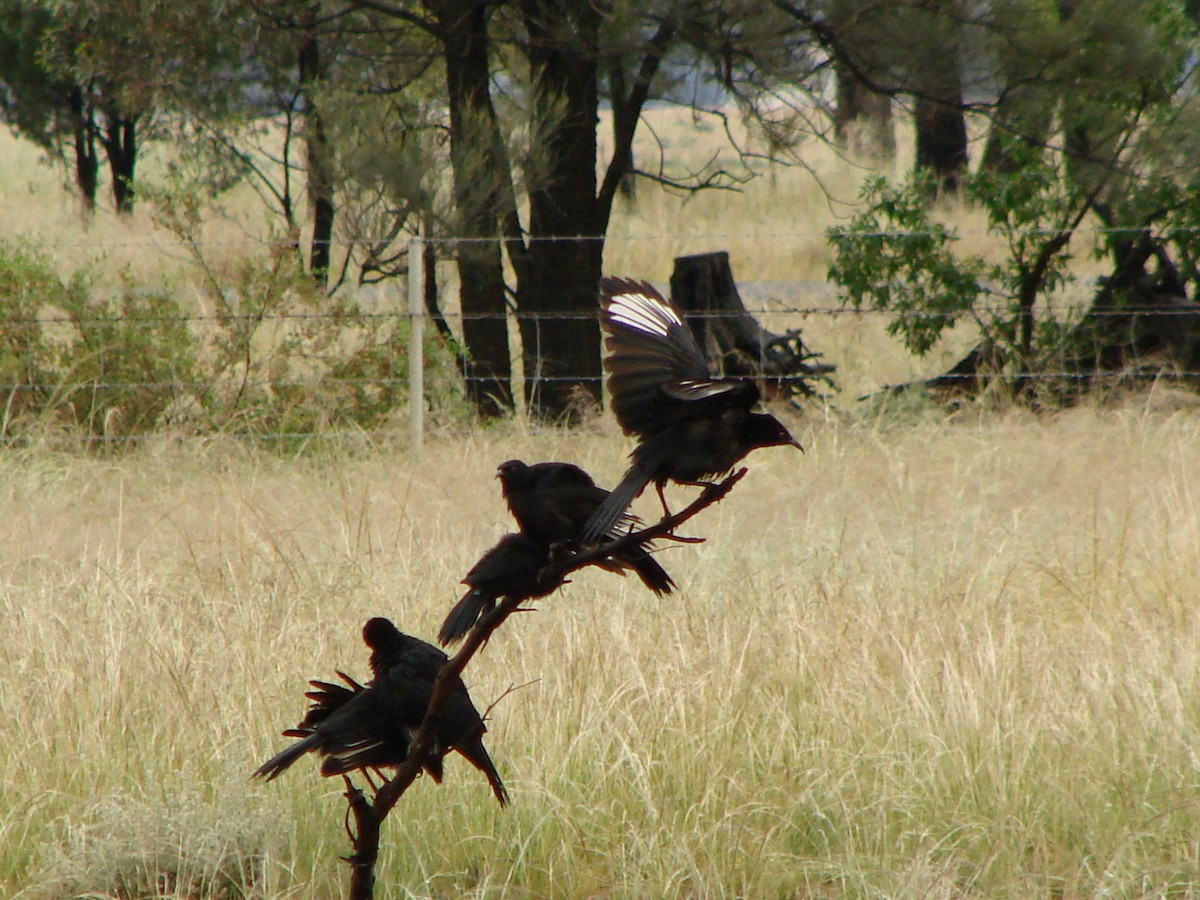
{"x": 923, "y": 659}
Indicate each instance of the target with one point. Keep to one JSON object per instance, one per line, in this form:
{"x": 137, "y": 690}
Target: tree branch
{"x": 368, "y": 816}
{"x": 396, "y": 11}
{"x": 626, "y": 111}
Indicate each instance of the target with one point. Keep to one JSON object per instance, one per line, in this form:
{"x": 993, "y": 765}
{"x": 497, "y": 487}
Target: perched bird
{"x": 692, "y": 426}
{"x": 552, "y": 502}
{"x": 358, "y": 727}
{"x": 514, "y": 568}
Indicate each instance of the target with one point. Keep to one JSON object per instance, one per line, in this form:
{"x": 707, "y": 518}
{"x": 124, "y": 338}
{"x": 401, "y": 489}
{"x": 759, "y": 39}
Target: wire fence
{"x": 821, "y": 235}
{"x": 395, "y": 381}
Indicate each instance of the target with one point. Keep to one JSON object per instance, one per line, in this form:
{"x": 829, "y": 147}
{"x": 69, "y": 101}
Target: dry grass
{"x": 41, "y": 209}
{"x": 34, "y": 194}
{"x": 927, "y": 659}
{"x": 773, "y": 226}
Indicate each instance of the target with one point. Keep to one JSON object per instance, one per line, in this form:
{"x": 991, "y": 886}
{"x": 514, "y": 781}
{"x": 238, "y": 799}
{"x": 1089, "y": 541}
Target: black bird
{"x": 552, "y": 502}
{"x": 514, "y": 569}
{"x": 692, "y": 426}
{"x": 357, "y": 727}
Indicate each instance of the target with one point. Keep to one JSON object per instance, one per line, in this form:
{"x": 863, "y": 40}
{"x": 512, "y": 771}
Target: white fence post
{"x": 416, "y": 343}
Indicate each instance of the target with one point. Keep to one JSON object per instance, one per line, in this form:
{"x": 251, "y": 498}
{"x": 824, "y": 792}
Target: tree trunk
{"x": 1139, "y": 319}
{"x": 942, "y": 140}
{"x": 862, "y": 117}
{"x": 618, "y": 98}
{"x": 938, "y": 99}
{"x": 703, "y": 289}
{"x": 556, "y": 294}
{"x": 487, "y": 367}
{"x": 87, "y": 164}
{"x": 119, "y": 137}
{"x": 311, "y": 74}
{"x": 862, "y": 120}
{"x": 626, "y": 111}
{"x": 1024, "y": 122}
{"x": 1025, "y": 116}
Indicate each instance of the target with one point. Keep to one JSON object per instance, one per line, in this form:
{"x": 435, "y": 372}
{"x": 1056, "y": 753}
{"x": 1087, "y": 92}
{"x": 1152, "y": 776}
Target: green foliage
{"x": 31, "y": 356}
{"x": 33, "y": 101}
{"x": 104, "y": 365}
{"x": 266, "y": 353}
{"x": 132, "y": 357}
{"x": 287, "y": 360}
{"x": 1116, "y": 77}
{"x": 894, "y": 257}
{"x": 282, "y": 356}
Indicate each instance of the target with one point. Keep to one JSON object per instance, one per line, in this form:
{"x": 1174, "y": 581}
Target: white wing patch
{"x": 700, "y": 389}
{"x": 642, "y": 313}
{"x": 705, "y": 384}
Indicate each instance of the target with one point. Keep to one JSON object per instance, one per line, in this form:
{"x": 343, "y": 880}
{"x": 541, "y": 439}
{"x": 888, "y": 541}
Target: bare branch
{"x": 367, "y": 815}
{"x": 396, "y": 11}
{"x": 511, "y": 689}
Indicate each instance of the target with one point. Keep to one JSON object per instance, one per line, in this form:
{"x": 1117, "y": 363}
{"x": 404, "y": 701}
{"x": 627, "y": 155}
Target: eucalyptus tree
{"x": 523, "y": 83}
{"x": 66, "y": 115}
{"x": 1094, "y": 126}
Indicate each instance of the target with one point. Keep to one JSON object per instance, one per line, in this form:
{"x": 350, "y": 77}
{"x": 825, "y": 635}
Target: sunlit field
{"x": 925, "y": 658}
{"x": 937, "y": 655}
{"x": 773, "y": 225}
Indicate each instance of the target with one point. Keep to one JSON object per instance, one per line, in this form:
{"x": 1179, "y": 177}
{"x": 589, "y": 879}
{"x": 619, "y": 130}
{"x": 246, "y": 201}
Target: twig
{"x": 511, "y": 689}
{"x": 368, "y": 816}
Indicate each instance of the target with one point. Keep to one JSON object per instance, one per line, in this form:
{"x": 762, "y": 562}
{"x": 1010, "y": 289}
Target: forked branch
{"x": 368, "y": 815}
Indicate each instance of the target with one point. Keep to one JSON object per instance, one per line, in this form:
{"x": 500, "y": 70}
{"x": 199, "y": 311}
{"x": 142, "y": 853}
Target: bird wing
{"x": 640, "y": 320}
{"x": 657, "y": 374}
{"x": 559, "y": 473}
{"x": 354, "y": 731}
{"x": 720, "y": 392}
{"x": 327, "y": 698}
{"x": 361, "y": 752}
{"x": 511, "y": 567}
{"x": 552, "y": 501}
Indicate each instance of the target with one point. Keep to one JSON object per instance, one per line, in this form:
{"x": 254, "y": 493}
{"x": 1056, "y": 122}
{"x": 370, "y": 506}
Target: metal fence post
{"x": 416, "y": 343}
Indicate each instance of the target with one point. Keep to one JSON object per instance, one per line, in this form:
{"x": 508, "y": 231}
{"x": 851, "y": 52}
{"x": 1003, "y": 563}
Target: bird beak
{"x": 797, "y": 445}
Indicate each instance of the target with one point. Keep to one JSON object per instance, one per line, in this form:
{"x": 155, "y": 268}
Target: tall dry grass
{"x": 928, "y": 658}
{"x": 772, "y": 226}
{"x": 923, "y": 659}
{"x": 41, "y": 207}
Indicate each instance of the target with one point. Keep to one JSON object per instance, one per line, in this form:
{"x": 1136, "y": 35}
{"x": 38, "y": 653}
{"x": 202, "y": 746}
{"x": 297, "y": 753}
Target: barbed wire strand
{"x": 1163, "y": 309}
{"x": 777, "y": 308}
{"x": 70, "y": 387}
{"x": 833, "y": 233}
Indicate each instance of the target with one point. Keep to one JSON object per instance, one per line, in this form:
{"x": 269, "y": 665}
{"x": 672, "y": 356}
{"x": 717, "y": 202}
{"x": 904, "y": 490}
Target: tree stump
{"x": 703, "y": 289}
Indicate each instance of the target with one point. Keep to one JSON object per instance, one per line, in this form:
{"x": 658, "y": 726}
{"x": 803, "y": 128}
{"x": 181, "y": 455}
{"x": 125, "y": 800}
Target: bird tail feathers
{"x": 609, "y": 513}
{"x": 282, "y": 761}
{"x": 464, "y": 615}
{"x": 477, "y": 755}
{"x": 652, "y": 574}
